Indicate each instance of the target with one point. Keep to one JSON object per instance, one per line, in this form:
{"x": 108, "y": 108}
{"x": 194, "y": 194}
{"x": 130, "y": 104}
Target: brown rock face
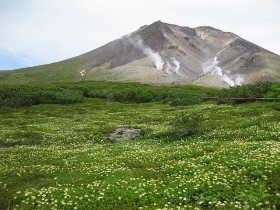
{"x": 203, "y": 55}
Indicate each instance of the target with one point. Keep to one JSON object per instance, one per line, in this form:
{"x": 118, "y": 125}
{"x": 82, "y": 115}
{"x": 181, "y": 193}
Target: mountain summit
{"x": 163, "y": 53}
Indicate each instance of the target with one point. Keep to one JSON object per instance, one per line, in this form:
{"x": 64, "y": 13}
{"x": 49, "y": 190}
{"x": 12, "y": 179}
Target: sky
{"x": 34, "y": 32}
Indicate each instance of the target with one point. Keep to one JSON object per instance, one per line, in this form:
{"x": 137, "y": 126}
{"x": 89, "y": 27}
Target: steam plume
{"x": 176, "y": 64}
{"x": 211, "y": 68}
{"x": 172, "y": 65}
{"x": 239, "y": 79}
{"x": 228, "y": 80}
{"x": 137, "y": 41}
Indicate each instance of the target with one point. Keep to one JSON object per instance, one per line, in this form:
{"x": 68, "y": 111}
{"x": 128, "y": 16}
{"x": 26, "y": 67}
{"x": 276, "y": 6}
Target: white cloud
{"x": 48, "y": 31}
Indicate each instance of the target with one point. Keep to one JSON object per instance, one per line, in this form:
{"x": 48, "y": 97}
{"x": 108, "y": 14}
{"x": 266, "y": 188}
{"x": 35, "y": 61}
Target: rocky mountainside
{"x": 163, "y": 53}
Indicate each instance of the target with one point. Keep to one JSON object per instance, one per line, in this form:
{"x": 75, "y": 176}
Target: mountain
{"x": 163, "y": 53}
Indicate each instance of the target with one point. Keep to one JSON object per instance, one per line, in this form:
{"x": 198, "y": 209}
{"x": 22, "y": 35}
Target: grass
{"x": 67, "y": 70}
{"x": 58, "y": 157}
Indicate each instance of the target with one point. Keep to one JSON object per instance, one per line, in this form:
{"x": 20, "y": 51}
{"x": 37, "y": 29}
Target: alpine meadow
{"x": 200, "y": 148}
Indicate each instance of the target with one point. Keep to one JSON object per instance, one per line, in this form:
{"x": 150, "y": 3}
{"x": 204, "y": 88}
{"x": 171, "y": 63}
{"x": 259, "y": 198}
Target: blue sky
{"x": 37, "y": 32}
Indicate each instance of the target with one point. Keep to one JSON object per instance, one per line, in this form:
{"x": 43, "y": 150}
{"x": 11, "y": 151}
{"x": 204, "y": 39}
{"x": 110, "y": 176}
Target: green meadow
{"x": 55, "y": 153}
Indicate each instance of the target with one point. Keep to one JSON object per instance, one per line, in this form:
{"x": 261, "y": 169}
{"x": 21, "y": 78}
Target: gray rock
{"x": 124, "y": 134}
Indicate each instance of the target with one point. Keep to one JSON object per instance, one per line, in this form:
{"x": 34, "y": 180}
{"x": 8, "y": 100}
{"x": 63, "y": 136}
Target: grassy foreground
{"x": 58, "y": 157}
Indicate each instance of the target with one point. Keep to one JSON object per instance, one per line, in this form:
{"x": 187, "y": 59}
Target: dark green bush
{"x": 274, "y": 92}
{"x": 67, "y": 93}
{"x": 186, "y": 100}
{"x": 16, "y": 96}
{"x": 245, "y": 93}
{"x": 141, "y": 93}
{"x": 187, "y": 124}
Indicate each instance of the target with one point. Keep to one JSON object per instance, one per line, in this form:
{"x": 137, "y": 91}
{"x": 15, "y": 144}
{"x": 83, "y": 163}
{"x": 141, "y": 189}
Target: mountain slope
{"x": 163, "y": 53}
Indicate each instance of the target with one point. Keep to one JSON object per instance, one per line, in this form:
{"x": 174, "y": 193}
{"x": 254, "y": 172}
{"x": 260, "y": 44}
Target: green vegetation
{"x": 204, "y": 155}
{"x": 247, "y": 93}
{"x": 274, "y": 91}
{"x": 187, "y": 124}
{"x": 67, "y": 93}
{"x": 16, "y": 96}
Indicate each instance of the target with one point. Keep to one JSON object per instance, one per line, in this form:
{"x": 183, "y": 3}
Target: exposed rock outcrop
{"x": 124, "y": 134}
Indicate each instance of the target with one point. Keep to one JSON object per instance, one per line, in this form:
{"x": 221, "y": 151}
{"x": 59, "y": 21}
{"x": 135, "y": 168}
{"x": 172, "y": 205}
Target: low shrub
{"x": 274, "y": 92}
{"x": 16, "y": 96}
{"x": 187, "y": 124}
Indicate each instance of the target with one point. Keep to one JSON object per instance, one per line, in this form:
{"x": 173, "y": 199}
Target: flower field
{"x": 58, "y": 157}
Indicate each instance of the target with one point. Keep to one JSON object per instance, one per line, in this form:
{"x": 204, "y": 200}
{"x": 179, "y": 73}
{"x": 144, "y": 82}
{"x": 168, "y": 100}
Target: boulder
{"x": 124, "y": 134}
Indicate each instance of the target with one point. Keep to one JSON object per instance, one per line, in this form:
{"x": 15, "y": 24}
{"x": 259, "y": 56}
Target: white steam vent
{"x": 172, "y": 65}
{"x": 138, "y": 42}
{"x": 176, "y": 64}
{"x": 211, "y": 68}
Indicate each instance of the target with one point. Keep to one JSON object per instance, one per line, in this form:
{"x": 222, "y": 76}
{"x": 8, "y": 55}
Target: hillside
{"x": 163, "y": 53}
